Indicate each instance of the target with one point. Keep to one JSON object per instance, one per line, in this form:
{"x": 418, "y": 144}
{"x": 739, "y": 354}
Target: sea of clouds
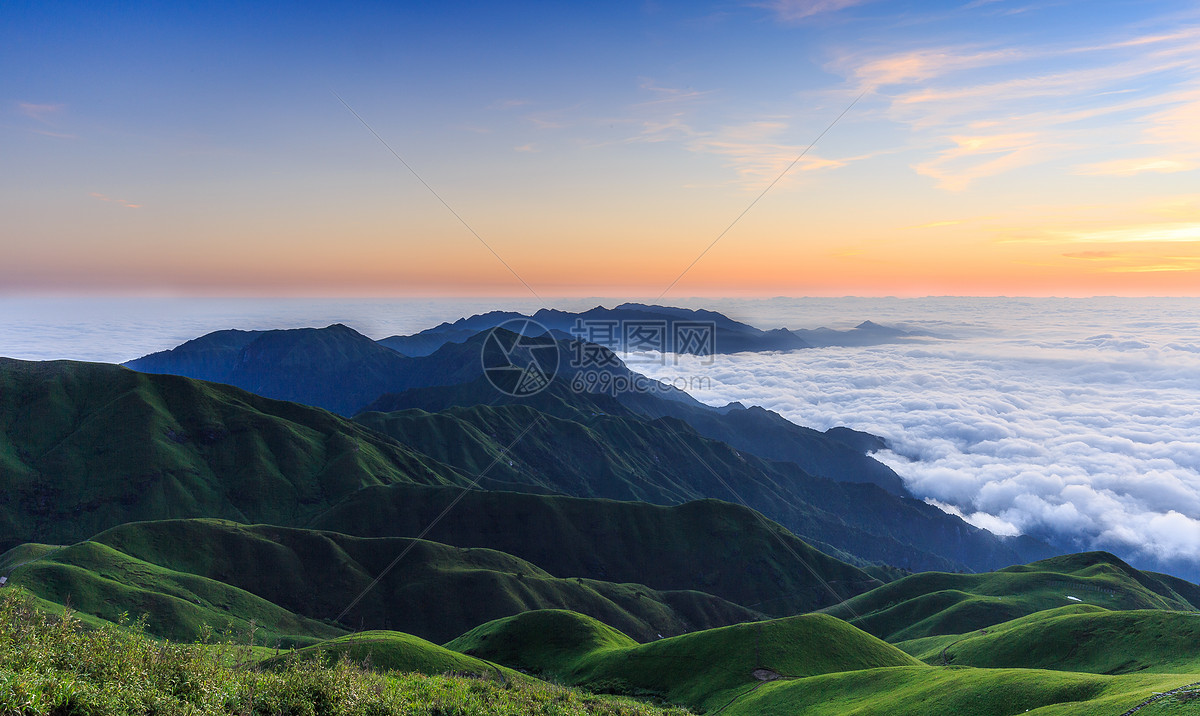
{"x": 1074, "y": 420}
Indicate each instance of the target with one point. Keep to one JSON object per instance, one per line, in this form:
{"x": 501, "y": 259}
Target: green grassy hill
{"x": 549, "y": 641}
{"x": 88, "y": 446}
{"x": 934, "y": 603}
{"x": 665, "y": 461}
{"x": 1076, "y": 638}
{"x": 701, "y": 670}
{"x": 921, "y": 691}
{"x": 99, "y": 581}
{"x": 708, "y": 545}
{"x": 395, "y": 651}
{"x": 184, "y": 573}
{"x": 103, "y": 584}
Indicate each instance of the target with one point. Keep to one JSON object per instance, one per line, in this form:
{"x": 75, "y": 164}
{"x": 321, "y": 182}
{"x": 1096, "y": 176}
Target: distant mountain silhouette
{"x": 866, "y": 333}
{"x": 335, "y": 368}
{"x": 730, "y": 336}
{"x": 339, "y": 369}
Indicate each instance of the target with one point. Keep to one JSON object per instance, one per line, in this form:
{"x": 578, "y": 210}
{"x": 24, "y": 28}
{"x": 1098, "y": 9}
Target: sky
{"x": 976, "y": 147}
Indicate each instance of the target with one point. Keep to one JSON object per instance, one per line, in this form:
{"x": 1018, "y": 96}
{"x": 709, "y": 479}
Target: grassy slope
{"x": 917, "y": 691}
{"x": 933, "y": 603}
{"x": 703, "y": 669}
{"x": 754, "y": 430}
{"x": 628, "y": 457}
{"x": 24, "y": 554}
{"x": 708, "y": 545}
{"x": 396, "y": 651}
{"x": 1078, "y": 638}
{"x": 550, "y": 641}
{"x": 87, "y": 446}
{"x": 101, "y": 582}
{"x": 272, "y": 574}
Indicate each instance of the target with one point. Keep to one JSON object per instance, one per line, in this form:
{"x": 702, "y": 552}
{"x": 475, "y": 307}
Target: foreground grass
{"x": 54, "y": 666}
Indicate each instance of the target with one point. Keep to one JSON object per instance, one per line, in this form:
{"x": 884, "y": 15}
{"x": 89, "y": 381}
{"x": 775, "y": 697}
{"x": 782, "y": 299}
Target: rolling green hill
{"x": 920, "y": 691}
{"x": 396, "y": 651}
{"x": 99, "y": 581}
{"x": 548, "y": 641}
{"x": 701, "y": 670}
{"x": 712, "y": 546}
{"x": 933, "y": 604}
{"x": 187, "y": 572}
{"x": 665, "y": 461}
{"x": 838, "y": 454}
{"x": 88, "y": 446}
{"x": 1076, "y": 638}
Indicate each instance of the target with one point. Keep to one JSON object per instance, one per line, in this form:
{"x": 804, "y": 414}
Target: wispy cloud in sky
{"x": 755, "y": 152}
{"x": 513, "y": 103}
{"x": 922, "y": 64}
{"x": 44, "y": 115}
{"x": 39, "y": 112}
{"x": 983, "y": 155}
{"x": 1042, "y": 103}
{"x": 1140, "y": 165}
{"x": 119, "y": 202}
{"x": 669, "y": 95}
{"x": 935, "y": 224}
{"x": 1153, "y": 233}
{"x": 799, "y": 10}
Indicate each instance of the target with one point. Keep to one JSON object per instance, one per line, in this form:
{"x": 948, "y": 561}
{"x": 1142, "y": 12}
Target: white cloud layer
{"x": 1062, "y": 423}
